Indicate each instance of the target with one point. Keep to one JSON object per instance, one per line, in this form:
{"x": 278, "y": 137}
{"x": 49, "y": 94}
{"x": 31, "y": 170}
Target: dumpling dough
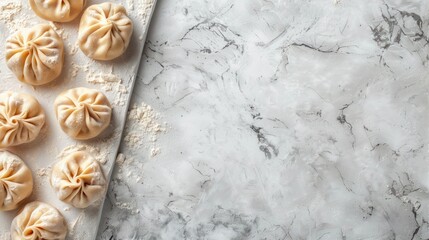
{"x": 57, "y": 10}
{"x": 38, "y": 221}
{"x": 35, "y": 55}
{"x": 16, "y": 181}
{"x": 21, "y": 118}
{"x": 105, "y": 31}
{"x": 78, "y": 179}
{"x": 83, "y": 113}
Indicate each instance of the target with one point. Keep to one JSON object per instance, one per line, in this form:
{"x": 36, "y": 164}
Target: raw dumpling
{"x": 78, "y": 180}
{"x": 38, "y": 221}
{"x": 83, "y": 113}
{"x": 57, "y": 10}
{"x": 105, "y": 31}
{"x": 35, "y": 55}
{"x": 16, "y": 181}
{"x": 21, "y": 118}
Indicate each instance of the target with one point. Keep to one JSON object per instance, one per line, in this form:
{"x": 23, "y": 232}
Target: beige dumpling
{"x": 83, "y": 113}
{"x": 21, "y": 118}
{"x": 57, "y": 10}
{"x": 78, "y": 180}
{"x": 35, "y": 55}
{"x": 38, "y": 221}
{"x": 16, "y": 181}
{"x": 105, "y": 31}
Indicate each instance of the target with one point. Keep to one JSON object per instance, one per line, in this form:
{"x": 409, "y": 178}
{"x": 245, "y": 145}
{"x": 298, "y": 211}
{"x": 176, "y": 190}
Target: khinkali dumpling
{"x": 57, "y": 10}
{"x": 16, "y": 181}
{"x": 105, "y": 31}
{"x": 83, "y": 113}
{"x": 21, "y": 118}
{"x": 38, "y": 221}
{"x": 35, "y": 55}
{"x": 78, "y": 180}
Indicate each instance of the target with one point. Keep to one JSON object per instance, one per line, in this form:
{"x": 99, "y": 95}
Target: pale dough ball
{"x": 35, "y": 55}
{"x": 105, "y": 31}
{"x": 21, "y": 118}
{"x": 38, "y": 221}
{"x": 16, "y": 181}
{"x": 57, "y": 10}
{"x": 83, "y": 113}
{"x": 78, "y": 180}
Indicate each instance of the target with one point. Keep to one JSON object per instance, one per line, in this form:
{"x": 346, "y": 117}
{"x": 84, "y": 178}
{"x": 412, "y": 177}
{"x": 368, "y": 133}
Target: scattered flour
{"x": 144, "y": 115}
{"x": 127, "y": 206}
{"x": 5, "y": 236}
{"x": 8, "y": 15}
{"x": 133, "y": 139}
{"x": 73, "y": 48}
{"x": 143, "y": 10}
{"x": 130, "y": 4}
{"x": 9, "y": 11}
{"x": 133, "y": 172}
{"x": 59, "y": 29}
{"x": 43, "y": 172}
{"x": 74, "y": 225}
{"x": 154, "y": 151}
{"x": 120, "y": 159}
{"x": 75, "y": 68}
{"x": 129, "y": 169}
{"x": 97, "y": 153}
{"x": 110, "y": 83}
{"x": 143, "y": 128}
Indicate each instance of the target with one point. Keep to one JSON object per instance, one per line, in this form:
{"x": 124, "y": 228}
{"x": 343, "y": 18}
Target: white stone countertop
{"x": 277, "y": 119}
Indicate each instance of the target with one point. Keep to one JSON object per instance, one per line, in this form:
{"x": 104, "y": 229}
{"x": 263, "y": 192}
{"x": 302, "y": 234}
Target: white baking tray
{"x": 78, "y": 71}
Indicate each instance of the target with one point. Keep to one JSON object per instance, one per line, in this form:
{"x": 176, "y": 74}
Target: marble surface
{"x": 284, "y": 120}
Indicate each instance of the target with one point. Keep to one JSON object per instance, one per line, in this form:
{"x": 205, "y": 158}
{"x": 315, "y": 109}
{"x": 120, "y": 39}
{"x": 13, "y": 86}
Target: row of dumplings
{"x": 82, "y": 113}
{"x": 36, "y": 57}
{"x": 77, "y": 179}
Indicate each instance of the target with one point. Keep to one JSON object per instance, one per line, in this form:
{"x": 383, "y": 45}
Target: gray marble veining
{"x": 288, "y": 120}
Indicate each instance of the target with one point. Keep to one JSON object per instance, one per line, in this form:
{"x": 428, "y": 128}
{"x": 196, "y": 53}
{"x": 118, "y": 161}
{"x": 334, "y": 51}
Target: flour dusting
{"x": 143, "y": 129}
{"x": 59, "y": 30}
{"x": 129, "y": 169}
{"x": 144, "y": 9}
{"x": 73, "y": 225}
{"x": 154, "y": 151}
{"x": 120, "y": 159}
{"x": 146, "y": 116}
{"x": 43, "y": 172}
{"x": 74, "y": 70}
{"x": 127, "y": 206}
{"x": 5, "y": 236}
{"x": 73, "y": 48}
{"x": 130, "y": 4}
{"x": 8, "y": 15}
{"x": 100, "y": 154}
{"x": 110, "y": 83}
